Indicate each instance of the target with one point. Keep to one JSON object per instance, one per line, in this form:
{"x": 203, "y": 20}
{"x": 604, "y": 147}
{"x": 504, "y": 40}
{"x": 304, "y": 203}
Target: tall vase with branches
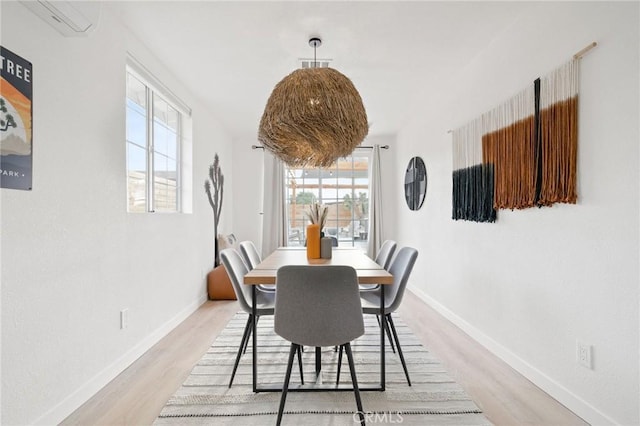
{"x": 317, "y": 214}
{"x": 214, "y": 187}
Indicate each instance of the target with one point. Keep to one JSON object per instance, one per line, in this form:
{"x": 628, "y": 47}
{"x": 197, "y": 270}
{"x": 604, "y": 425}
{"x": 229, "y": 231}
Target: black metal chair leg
{"x": 395, "y": 335}
{"x": 356, "y": 390}
{"x": 245, "y": 339}
{"x": 299, "y": 351}
{"x": 339, "y": 365}
{"x": 247, "y": 342}
{"x": 285, "y": 386}
{"x": 318, "y": 360}
{"x": 389, "y": 336}
{"x": 388, "y": 333}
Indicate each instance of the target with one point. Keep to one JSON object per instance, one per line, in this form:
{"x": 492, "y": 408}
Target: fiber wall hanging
{"x": 522, "y": 153}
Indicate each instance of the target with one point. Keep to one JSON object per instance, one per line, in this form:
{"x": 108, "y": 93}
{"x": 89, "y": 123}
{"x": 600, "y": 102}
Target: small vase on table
{"x": 326, "y": 244}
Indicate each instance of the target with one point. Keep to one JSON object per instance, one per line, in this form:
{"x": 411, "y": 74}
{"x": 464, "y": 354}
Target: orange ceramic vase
{"x": 313, "y": 241}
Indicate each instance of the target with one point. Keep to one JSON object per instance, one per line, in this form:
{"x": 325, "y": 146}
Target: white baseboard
{"x": 61, "y": 411}
{"x": 563, "y": 395}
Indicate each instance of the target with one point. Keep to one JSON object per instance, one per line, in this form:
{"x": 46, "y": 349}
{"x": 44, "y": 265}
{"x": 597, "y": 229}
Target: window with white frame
{"x": 343, "y": 187}
{"x": 155, "y": 126}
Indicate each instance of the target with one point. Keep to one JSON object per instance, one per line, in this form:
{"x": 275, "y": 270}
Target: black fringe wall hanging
{"x": 473, "y": 180}
{"x": 522, "y": 153}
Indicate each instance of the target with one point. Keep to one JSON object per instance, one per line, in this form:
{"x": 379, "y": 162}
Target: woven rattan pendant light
{"x": 313, "y": 117}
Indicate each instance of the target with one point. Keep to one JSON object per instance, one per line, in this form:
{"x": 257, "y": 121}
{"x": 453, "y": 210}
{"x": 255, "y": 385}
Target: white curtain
{"x": 375, "y": 205}
{"x": 274, "y": 219}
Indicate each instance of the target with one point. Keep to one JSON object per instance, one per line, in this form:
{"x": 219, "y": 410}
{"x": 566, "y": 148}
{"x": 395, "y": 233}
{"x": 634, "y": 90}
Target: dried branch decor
{"x": 317, "y": 214}
{"x": 313, "y": 117}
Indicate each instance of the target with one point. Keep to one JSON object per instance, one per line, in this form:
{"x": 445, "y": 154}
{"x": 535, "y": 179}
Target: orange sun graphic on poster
{"x": 16, "y": 139}
{"x": 16, "y": 115}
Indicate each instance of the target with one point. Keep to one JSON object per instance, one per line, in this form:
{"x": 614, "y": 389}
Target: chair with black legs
{"x": 400, "y": 268}
{"x": 265, "y": 305}
{"x": 385, "y": 253}
{"x": 252, "y": 259}
{"x": 333, "y": 318}
{"x": 249, "y": 254}
{"x": 383, "y": 258}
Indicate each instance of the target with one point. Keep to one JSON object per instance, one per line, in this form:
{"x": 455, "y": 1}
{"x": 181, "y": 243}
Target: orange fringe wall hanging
{"x": 559, "y": 135}
{"x": 521, "y": 154}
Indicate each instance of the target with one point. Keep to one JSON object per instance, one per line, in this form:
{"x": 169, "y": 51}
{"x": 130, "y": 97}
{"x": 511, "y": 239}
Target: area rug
{"x": 205, "y": 398}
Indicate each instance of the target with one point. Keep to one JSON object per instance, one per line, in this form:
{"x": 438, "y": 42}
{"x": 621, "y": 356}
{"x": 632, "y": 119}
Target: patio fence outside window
{"x": 343, "y": 187}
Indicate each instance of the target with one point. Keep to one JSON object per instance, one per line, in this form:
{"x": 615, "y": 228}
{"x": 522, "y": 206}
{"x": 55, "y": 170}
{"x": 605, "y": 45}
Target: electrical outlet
{"x": 583, "y": 354}
{"x": 124, "y": 319}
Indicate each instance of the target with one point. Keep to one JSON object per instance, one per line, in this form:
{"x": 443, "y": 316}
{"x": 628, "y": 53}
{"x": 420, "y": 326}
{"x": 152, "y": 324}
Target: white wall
{"x": 527, "y": 286}
{"x": 72, "y": 257}
{"x": 247, "y": 200}
{"x": 535, "y": 281}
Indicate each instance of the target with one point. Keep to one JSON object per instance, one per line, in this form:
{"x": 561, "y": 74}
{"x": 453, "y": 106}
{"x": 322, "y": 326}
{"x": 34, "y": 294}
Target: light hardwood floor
{"x": 138, "y": 394}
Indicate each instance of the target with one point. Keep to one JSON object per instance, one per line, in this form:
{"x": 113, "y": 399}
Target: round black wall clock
{"x": 415, "y": 183}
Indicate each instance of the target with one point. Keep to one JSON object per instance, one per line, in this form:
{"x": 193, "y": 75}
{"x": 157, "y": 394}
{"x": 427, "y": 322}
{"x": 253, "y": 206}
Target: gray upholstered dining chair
{"x": 383, "y": 258}
{"x": 249, "y": 254}
{"x": 334, "y": 317}
{"x": 400, "y": 268}
{"x": 265, "y": 305}
{"x": 252, "y": 259}
{"x": 385, "y": 253}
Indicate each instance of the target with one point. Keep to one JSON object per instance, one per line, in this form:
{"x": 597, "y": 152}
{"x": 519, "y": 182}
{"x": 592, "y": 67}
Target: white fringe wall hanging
{"x": 522, "y": 153}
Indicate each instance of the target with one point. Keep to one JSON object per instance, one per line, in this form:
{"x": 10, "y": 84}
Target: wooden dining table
{"x": 367, "y": 271}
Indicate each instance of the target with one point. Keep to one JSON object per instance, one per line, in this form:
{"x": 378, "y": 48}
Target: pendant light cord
{"x": 315, "y": 42}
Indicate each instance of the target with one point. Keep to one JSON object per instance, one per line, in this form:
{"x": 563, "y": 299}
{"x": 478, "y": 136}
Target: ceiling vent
{"x": 319, "y": 63}
{"x": 69, "y": 18}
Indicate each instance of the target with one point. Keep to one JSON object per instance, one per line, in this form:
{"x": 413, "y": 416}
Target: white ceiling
{"x": 231, "y": 54}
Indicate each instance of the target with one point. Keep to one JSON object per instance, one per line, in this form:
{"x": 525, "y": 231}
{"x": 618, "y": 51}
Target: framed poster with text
{"x": 16, "y": 114}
